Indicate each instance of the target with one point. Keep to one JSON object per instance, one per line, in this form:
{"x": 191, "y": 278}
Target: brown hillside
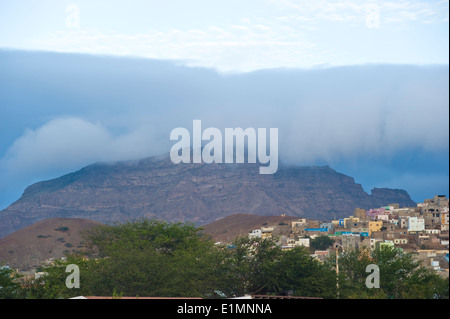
{"x": 228, "y": 228}
{"x": 29, "y": 247}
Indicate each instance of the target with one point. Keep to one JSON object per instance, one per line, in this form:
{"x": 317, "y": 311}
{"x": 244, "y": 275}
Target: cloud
{"x": 356, "y": 11}
{"x": 321, "y": 113}
{"x": 236, "y": 47}
{"x": 288, "y": 34}
{"x": 121, "y": 108}
{"x": 65, "y": 144}
{"x": 318, "y": 132}
{"x": 332, "y": 116}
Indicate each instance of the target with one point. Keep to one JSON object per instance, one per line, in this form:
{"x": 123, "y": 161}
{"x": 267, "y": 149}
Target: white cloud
{"x": 292, "y": 34}
{"x": 350, "y": 11}
{"x": 69, "y": 143}
{"x": 237, "y": 47}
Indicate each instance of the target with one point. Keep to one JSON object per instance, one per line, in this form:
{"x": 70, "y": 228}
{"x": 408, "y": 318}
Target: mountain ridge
{"x": 155, "y": 187}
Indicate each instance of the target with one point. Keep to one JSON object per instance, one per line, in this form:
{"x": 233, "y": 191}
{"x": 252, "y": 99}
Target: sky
{"x": 361, "y": 86}
{"x": 233, "y": 35}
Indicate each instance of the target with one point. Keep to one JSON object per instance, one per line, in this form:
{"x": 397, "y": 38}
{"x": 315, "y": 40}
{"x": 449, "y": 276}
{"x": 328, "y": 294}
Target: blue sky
{"x": 235, "y": 36}
{"x": 361, "y": 86}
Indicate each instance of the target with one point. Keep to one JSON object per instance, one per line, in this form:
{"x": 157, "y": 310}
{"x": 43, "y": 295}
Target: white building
{"x": 400, "y": 241}
{"x": 416, "y": 224}
{"x": 255, "y": 233}
{"x": 383, "y": 217}
{"x": 302, "y": 242}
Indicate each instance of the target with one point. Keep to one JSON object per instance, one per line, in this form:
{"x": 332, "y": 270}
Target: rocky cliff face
{"x": 200, "y": 193}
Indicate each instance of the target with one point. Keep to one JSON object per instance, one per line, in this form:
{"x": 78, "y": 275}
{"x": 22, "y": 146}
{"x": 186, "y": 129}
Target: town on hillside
{"x": 422, "y": 230}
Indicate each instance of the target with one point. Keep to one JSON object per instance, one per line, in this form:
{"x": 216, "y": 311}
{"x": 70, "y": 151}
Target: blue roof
{"x": 316, "y": 229}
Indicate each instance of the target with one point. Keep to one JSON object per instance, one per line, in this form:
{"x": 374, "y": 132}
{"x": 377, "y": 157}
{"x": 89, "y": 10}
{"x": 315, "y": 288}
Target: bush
{"x": 321, "y": 242}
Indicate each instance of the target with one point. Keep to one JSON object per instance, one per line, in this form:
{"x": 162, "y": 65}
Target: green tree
{"x": 305, "y": 276}
{"x": 248, "y": 266}
{"x": 256, "y": 266}
{"x": 9, "y": 288}
{"x": 52, "y": 285}
{"x": 321, "y": 242}
{"x": 401, "y": 275}
{"x": 143, "y": 258}
{"x": 155, "y": 258}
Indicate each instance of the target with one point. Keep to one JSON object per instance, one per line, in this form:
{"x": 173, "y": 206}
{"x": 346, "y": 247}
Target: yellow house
{"x": 375, "y": 226}
{"x": 266, "y": 232}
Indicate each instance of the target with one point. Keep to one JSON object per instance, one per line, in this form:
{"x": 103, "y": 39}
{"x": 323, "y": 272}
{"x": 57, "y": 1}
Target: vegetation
{"x": 401, "y": 276}
{"x": 321, "y": 243}
{"x": 154, "y": 258}
{"x": 9, "y": 288}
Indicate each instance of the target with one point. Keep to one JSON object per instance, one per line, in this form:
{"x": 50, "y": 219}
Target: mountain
{"x": 29, "y": 247}
{"x": 200, "y": 193}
